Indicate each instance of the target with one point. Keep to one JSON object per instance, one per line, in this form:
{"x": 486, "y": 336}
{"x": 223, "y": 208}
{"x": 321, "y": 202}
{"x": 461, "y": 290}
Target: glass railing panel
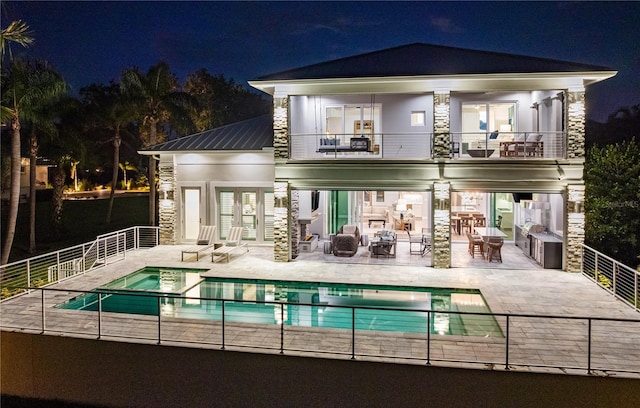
{"x": 519, "y": 145}
{"x": 403, "y": 146}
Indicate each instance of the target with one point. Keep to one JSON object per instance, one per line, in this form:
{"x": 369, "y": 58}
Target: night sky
{"x": 93, "y": 41}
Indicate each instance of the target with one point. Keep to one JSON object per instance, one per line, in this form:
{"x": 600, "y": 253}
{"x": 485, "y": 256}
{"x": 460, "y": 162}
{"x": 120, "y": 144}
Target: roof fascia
{"x": 157, "y": 152}
{"x": 428, "y": 83}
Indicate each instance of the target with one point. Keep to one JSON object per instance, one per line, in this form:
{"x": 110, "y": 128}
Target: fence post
{"x": 506, "y": 362}
{"x": 222, "y": 320}
{"x": 429, "y": 337}
{"x": 99, "y": 315}
{"x": 29, "y": 275}
{"x": 42, "y": 303}
{"x": 281, "y": 328}
{"x": 159, "y": 315}
{"x": 614, "y": 273}
{"x": 595, "y": 266}
{"x": 589, "y": 348}
{"x": 84, "y": 259}
{"x": 636, "y": 290}
{"x": 353, "y": 333}
{"x": 58, "y": 265}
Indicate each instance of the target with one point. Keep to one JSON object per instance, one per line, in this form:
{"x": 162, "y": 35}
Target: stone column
{"x": 575, "y": 123}
{"x": 295, "y": 225}
{"x": 281, "y": 232}
{"x": 280, "y": 128}
{"x": 441, "y": 245}
{"x": 575, "y": 227}
{"x": 441, "y": 125}
{"x": 167, "y": 205}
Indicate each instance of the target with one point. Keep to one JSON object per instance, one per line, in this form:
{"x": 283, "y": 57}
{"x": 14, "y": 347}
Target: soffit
{"x": 422, "y": 84}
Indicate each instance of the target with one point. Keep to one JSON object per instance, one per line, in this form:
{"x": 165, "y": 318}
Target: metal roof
{"x": 426, "y": 59}
{"x": 251, "y": 134}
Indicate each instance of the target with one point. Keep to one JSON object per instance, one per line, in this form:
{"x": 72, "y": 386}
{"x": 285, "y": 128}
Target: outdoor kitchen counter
{"x": 545, "y": 237}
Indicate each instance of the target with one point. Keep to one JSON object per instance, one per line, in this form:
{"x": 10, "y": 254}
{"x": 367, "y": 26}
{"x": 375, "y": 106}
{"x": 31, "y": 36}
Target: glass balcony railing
{"x": 419, "y": 146}
{"x": 508, "y": 145}
{"x": 404, "y": 146}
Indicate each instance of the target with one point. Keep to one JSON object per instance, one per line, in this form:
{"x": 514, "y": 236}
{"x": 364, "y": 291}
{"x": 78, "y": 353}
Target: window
{"x": 417, "y": 118}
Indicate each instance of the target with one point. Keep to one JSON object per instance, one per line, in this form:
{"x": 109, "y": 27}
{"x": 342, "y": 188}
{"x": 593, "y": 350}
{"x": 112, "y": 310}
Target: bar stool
{"x": 494, "y": 247}
{"x": 476, "y": 244}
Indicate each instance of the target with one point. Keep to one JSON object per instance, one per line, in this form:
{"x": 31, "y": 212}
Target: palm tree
{"x": 66, "y": 151}
{"x": 27, "y": 87}
{"x": 42, "y": 120}
{"x": 159, "y": 100}
{"x": 17, "y": 32}
{"x": 111, "y": 111}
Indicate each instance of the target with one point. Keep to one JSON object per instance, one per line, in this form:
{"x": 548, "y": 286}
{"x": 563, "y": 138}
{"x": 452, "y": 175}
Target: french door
{"x": 250, "y": 208}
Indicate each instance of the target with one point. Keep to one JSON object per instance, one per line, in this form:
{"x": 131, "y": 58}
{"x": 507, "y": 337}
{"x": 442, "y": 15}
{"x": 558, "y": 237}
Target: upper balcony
{"x": 520, "y": 125}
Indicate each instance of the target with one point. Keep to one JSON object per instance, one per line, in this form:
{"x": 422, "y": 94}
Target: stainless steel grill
{"x": 530, "y": 227}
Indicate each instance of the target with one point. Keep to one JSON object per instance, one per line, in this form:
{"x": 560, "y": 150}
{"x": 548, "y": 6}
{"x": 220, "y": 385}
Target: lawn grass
{"x": 83, "y": 221}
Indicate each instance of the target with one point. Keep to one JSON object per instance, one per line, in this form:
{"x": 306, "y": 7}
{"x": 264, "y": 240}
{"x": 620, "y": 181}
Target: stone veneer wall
{"x": 441, "y": 245}
{"x": 281, "y": 231}
{"x": 280, "y": 128}
{"x": 295, "y": 225}
{"x": 575, "y": 124}
{"x": 441, "y": 125}
{"x": 167, "y": 206}
{"x": 575, "y": 227}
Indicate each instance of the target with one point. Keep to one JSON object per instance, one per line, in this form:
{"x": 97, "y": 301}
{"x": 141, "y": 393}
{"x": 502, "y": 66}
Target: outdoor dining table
{"x": 489, "y": 232}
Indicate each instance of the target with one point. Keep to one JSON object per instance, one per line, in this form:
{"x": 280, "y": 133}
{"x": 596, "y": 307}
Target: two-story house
{"x": 420, "y": 137}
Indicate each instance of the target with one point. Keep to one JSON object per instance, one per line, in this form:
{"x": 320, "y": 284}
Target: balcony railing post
{"x": 506, "y": 352}
{"x": 429, "y": 337}
{"x": 42, "y": 304}
{"x": 589, "y": 348}
{"x": 99, "y": 315}
{"x": 222, "y": 321}
{"x": 159, "y": 319}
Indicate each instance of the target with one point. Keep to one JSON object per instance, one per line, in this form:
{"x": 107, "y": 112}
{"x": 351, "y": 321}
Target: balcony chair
{"x": 346, "y": 241}
{"x": 203, "y": 243}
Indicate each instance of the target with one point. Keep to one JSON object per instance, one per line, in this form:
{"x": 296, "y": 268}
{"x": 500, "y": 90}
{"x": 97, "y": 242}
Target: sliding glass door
{"x": 482, "y": 125}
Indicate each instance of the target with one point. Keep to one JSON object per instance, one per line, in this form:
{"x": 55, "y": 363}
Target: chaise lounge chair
{"x": 204, "y": 242}
{"x": 233, "y": 243}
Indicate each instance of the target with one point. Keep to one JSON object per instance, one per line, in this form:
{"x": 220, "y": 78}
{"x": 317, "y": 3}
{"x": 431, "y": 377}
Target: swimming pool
{"x": 308, "y": 304}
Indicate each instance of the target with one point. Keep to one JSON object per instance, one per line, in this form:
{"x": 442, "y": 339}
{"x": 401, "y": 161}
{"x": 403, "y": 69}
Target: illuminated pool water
{"x": 309, "y": 304}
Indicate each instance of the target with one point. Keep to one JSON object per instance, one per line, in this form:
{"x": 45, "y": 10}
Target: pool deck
{"x": 522, "y": 291}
